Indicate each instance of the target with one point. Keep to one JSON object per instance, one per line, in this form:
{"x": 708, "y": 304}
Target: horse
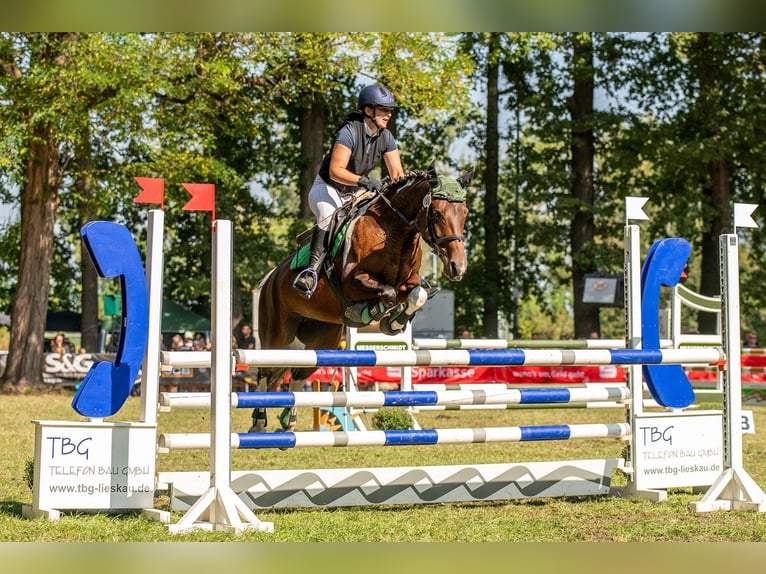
{"x": 370, "y": 273}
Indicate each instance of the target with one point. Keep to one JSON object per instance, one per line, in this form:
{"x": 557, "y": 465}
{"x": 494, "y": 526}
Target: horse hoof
{"x": 387, "y": 329}
{"x": 283, "y": 448}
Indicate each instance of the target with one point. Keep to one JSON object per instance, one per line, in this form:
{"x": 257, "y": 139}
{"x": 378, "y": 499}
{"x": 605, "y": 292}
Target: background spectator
{"x": 751, "y": 341}
{"x": 200, "y": 343}
{"x": 245, "y": 339}
{"x": 188, "y": 341}
{"x": 177, "y": 343}
{"x": 60, "y": 345}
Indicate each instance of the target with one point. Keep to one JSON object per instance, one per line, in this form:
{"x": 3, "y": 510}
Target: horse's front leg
{"x": 368, "y": 309}
{"x": 366, "y": 282}
{"x": 396, "y": 321}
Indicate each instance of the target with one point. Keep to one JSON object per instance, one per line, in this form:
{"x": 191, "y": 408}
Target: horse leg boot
{"x": 306, "y": 282}
{"x": 396, "y": 322}
{"x": 288, "y": 417}
{"x": 259, "y": 420}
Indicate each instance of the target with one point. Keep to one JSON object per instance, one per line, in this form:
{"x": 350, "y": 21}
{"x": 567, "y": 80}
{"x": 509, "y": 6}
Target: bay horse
{"x": 370, "y": 273}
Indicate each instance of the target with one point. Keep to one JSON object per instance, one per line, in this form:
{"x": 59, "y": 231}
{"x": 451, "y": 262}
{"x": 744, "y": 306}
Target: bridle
{"x": 429, "y": 231}
{"x": 433, "y": 241}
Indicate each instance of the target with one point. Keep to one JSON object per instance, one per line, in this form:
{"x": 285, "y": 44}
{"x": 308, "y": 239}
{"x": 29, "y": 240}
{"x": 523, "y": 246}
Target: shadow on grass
{"x": 11, "y": 508}
{"x": 477, "y": 504}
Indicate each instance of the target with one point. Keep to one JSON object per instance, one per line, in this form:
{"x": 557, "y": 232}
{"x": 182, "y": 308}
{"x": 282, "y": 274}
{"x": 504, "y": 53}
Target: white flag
{"x": 742, "y": 215}
{"x": 634, "y": 208}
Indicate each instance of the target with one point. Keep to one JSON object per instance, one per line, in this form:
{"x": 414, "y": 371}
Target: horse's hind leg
{"x": 288, "y": 417}
{"x": 314, "y": 335}
{"x": 260, "y": 420}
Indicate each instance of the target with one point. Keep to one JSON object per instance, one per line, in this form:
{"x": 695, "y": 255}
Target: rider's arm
{"x": 339, "y": 159}
{"x": 394, "y": 164}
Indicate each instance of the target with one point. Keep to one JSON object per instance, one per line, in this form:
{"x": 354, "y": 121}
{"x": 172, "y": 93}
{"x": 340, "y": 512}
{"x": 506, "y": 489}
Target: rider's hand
{"x": 371, "y": 184}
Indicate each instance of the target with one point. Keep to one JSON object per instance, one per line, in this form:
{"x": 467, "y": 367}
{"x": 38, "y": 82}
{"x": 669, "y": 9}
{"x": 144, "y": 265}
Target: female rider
{"x": 359, "y": 144}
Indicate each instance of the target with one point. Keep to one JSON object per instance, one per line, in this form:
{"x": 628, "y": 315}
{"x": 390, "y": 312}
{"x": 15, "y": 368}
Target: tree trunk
{"x": 89, "y": 275}
{"x": 312, "y": 120}
{"x": 40, "y": 199}
{"x": 586, "y": 315}
{"x": 719, "y": 196}
{"x": 491, "y": 285}
{"x": 706, "y": 65}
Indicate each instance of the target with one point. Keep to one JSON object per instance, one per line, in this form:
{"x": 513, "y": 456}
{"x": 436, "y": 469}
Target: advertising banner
{"x": 94, "y": 466}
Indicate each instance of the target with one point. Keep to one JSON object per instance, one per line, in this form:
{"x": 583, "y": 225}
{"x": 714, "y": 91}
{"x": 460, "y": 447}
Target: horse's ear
{"x": 433, "y": 178}
{"x": 466, "y": 178}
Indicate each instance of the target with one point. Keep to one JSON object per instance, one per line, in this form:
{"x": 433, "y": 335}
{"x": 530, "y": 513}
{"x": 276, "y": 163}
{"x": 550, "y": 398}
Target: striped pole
{"x": 378, "y": 399}
{"x": 497, "y": 357}
{"x": 459, "y": 357}
{"x": 422, "y": 343}
{"x": 178, "y": 441}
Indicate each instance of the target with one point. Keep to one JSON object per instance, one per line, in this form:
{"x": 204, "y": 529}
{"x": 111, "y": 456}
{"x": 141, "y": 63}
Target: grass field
{"x": 603, "y": 519}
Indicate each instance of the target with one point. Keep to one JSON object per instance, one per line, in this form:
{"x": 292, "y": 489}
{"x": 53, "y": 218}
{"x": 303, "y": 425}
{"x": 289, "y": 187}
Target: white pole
{"x": 732, "y": 396}
{"x": 150, "y": 370}
{"x": 633, "y": 340}
{"x": 220, "y": 505}
{"x": 220, "y": 420}
{"x": 633, "y": 312}
{"x": 734, "y": 489}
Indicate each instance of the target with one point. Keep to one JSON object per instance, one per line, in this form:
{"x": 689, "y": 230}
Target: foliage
{"x": 9, "y": 262}
{"x": 29, "y": 473}
{"x": 392, "y": 418}
{"x": 225, "y": 108}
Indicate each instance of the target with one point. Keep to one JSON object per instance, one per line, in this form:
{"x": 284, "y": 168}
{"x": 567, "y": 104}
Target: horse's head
{"x": 434, "y": 206}
{"x": 446, "y": 221}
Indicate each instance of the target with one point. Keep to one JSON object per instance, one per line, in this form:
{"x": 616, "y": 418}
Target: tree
{"x": 493, "y": 53}
{"x": 582, "y": 231}
{"x": 51, "y": 82}
{"x": 700, "y": 139}
{"x": 32, "y": 69}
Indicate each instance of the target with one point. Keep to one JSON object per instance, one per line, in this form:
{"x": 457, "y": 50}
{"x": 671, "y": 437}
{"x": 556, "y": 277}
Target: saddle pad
{"x": 300, "y": 258}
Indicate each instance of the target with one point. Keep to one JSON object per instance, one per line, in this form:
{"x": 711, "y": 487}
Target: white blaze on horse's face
{"x": 449, "y": 220}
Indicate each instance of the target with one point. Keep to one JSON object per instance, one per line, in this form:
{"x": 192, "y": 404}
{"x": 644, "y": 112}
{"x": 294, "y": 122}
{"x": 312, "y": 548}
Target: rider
{"x": 359, "y": 144}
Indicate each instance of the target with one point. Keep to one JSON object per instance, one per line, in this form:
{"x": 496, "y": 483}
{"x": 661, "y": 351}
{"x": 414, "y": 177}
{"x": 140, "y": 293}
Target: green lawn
{"x": 601, "y": 519}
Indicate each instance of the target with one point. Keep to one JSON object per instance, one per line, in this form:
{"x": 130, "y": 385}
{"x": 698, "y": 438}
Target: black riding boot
{"x": 306, "y": 282}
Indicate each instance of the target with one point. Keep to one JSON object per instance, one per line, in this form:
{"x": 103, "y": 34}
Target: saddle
{"x": 341, "y": 220}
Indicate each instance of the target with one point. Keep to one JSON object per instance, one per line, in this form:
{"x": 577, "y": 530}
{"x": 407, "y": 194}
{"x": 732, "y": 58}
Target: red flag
{"x": 152, "y": 190}
{"x": 203, "y": 197}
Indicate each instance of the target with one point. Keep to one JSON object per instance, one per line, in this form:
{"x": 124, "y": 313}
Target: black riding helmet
{"x": 376, "y": 95}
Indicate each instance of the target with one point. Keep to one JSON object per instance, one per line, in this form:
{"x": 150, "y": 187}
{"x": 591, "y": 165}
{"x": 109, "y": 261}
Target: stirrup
{"x": 310, "y": 274}
{"x": 431, "y": 291}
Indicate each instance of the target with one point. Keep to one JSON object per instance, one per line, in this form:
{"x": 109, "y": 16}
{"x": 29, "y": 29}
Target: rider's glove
{"x": 371, "y": 184}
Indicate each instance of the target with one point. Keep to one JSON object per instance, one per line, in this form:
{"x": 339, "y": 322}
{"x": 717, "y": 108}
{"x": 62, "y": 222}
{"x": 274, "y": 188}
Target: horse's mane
{"x": 441, "y": 186}
{"x": 391, "y": 187}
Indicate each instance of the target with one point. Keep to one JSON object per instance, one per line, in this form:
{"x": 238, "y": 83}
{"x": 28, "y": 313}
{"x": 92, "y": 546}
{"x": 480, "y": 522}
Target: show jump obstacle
{"x": 111, "y": 466}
